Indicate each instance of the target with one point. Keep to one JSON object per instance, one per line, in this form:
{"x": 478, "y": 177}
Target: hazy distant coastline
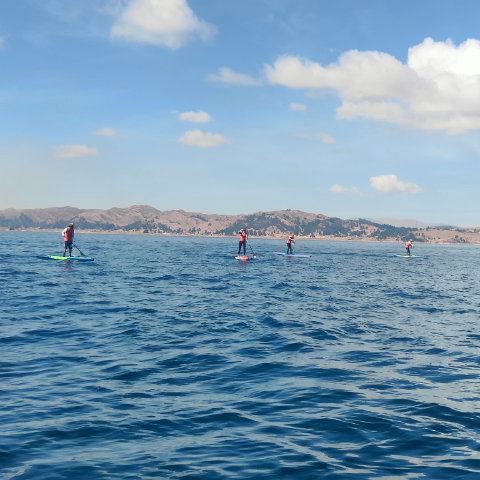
{"x": 272, "y": 224}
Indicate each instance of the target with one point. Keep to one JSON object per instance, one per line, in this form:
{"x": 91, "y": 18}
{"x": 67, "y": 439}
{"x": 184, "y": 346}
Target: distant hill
{"x": 146, "y": 219}
{"x": 401, "y": 222}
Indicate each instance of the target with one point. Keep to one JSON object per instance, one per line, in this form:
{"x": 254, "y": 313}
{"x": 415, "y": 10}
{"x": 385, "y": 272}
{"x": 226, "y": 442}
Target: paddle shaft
{"x": 248, "y": 242}
{"x": 81, "y": 253}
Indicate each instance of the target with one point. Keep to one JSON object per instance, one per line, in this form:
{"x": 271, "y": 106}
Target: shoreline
{"x": 187, "y": 235}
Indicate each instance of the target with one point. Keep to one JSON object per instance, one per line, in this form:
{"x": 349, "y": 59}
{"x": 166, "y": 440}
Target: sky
{"x": 352, "y": 108}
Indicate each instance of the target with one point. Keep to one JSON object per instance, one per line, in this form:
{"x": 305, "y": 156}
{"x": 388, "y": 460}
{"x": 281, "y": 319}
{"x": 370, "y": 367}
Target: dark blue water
{"x": 166, "y": 358}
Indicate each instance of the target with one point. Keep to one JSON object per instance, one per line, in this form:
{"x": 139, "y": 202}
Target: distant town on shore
{"x": 148, "y": 220}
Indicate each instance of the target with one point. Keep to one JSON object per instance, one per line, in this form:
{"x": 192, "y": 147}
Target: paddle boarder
{"x": 290, "y": 242}
{"x": 68, "y": 234}
{"x": 408, "y": 246}
{"x": 242, "y": 241}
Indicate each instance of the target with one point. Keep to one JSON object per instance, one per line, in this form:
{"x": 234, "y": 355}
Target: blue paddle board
{"x": 409, "y": 256}
{"x": 300, "y": 255}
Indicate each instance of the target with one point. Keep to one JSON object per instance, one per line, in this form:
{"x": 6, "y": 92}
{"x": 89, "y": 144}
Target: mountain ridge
{"x": 274, "y": 223}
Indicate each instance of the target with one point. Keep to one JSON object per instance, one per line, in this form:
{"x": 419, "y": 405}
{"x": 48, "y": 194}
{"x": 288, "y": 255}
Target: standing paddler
{"x": 68, "y": 234}
{"x": 408, "y": 247}
{"x": 242, "y": 241}
{"x": 290, "y": 242}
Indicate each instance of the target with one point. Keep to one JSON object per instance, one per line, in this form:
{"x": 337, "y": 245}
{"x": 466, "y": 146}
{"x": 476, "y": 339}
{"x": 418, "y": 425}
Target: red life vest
{"x": 242, "y": 236}
{"x": 68, "y": 234}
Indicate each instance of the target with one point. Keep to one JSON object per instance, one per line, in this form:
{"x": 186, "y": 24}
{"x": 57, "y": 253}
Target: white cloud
{"x": 159, "y": 22}
{"x": 298, "y": 107}
{"x": 197, "y": 138}
{"x": 436, "y": 89}
{"x": 106, "y": 132}
{"x": 231, "y": 77}
{"x": 391, "y": 184}
{"x": 196, "y": 117}
{"x": 74, "y": 151}
{"x": 336, "y": 188}
{"x": 327, "y": 139}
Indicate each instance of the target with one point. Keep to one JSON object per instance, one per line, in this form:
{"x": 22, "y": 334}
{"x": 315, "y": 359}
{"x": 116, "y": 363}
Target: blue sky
{"x": 349, "y": 108}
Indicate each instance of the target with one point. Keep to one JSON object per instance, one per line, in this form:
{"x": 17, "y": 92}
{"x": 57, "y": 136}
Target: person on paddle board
{"x": 408, "y": 246}
{"x": 290, "y": 242}
{"x": 68, "y": 234}
{"x": 242, "y": 241}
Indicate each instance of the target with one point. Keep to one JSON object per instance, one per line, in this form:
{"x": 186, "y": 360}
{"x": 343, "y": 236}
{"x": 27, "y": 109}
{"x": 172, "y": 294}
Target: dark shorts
{"x": 68, "y": 244}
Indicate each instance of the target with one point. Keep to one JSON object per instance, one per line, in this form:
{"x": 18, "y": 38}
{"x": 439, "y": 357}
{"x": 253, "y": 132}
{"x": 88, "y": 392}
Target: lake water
{"x": 167, "y": 359}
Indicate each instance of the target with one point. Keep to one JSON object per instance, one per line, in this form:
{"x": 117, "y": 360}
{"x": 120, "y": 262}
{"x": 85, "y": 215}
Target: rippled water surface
{"x": 166, "y": 358}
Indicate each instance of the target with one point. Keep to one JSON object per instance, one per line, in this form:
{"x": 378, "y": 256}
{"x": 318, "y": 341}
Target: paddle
{"x": 254, "y": 254}
{"x": 81, "y": 253}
